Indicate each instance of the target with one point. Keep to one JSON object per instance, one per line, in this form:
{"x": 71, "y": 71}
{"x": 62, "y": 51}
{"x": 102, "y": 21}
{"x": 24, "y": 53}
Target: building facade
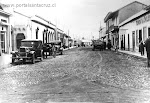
{"x": 42, "y": 29}
{"x": 21, "y": 28}
{"x": 113, "y": 19}
{"x": 5, "y": 31}
{"x": 134, "y": 30}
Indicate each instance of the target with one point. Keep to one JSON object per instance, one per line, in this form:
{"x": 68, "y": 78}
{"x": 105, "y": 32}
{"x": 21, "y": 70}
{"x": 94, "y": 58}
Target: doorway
{"x": 140, "y": 36}
{"x": 2, "y": 40}
{"x": 133, "y": 40}
{"x": 19, "y": 37}
{"x": 128, "y": 42}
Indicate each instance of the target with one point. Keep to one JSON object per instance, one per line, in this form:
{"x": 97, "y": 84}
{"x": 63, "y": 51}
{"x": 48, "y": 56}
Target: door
{"x": 148, "y": 31}
{"x": 124, "y": 43}
{"x": 140, "y": 36}
{"x": 19, "y": 37}
{"x": 128, "y": 42}
{"x": 133, "y": 40}
{"x": 2, "y": 41}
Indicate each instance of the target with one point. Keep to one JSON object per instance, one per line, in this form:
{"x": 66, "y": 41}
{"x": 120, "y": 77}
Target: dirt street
{"x": 80, "y": 75}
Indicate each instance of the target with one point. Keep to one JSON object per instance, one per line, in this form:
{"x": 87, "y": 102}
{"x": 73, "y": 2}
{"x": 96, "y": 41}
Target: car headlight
{"x": 32, "y": 52}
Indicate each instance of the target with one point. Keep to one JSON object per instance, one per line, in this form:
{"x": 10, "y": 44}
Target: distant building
{"x": 86, "y": 42}
{"x": 102, "y": 33}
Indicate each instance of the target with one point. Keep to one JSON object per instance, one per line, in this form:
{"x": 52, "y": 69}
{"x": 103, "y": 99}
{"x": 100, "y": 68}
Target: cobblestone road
{"x": 80, "y": 75}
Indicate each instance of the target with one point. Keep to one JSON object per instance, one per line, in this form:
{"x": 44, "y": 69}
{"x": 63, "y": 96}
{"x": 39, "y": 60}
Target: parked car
{"x": 58, "y": 46}
{"x": 29, "y": 50}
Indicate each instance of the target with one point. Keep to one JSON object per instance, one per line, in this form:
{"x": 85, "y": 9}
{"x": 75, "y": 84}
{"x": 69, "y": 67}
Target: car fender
{"x": 13, "y": 52}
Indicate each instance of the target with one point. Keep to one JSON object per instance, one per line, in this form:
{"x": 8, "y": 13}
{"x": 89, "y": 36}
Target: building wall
{"x": 130, "y": 10}
{"x": 50, "y": 33}
{"x": 133, "y": 27}
{"x": 21, "y": 25}
{"x": 6, "y": 41}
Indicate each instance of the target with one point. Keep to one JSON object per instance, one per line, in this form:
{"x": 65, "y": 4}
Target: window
{"x": 4, "y": 20}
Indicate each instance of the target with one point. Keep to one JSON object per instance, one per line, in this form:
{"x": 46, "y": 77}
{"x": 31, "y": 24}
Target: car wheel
{"x": 33, "y": 59}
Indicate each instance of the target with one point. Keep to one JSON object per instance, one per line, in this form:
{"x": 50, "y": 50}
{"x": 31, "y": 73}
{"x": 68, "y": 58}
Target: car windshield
{"x": 28, "y": 43}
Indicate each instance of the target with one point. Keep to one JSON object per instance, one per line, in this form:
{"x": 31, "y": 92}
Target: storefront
{"x": 134, "y": 30}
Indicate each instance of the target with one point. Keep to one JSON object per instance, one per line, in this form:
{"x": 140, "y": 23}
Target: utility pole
{"x": 68, "y": 32}
{"x": 100, "y": 30}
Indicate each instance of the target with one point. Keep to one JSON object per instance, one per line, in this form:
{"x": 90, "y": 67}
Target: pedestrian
{"x": 104, "y": 45}
{"x": 141, "y": 48}
{"x": 147, "y": 46}
{"x": 109, "y": 44}
{"x": 54, "y": 51}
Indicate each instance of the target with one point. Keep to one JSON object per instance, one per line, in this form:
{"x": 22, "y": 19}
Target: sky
{"x": 77, "y": 18}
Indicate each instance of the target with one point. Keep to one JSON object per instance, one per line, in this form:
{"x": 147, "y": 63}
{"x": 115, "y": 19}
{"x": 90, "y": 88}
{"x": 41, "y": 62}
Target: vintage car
{"x": 29, "y": 50}
{"x": 98, "y": 44}
{"x": 58, "y": 46}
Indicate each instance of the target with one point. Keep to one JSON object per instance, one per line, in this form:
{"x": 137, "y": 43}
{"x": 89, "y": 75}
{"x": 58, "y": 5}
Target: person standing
{"x": 109, "y": 44}
{"x": 141, "y": 47}
{"x": 54, "y": 51}
{"x": 147, "y": 46}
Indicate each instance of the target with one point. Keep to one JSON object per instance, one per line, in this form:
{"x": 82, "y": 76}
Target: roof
{"x": 31, "y": 40}
{"x": 21, "y": 14}
{"x": 112, "y": 13}
{"x": 5, "y": 13}
{"x": 42, "y": 21}
{"x": 133, "y": 17}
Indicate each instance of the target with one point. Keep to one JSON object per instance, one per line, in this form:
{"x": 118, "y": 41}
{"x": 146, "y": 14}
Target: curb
{"x": 135, "y": 56}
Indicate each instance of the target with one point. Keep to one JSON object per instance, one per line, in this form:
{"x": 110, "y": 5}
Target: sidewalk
{"x": 5, "y": 59}
{"x": 132, "y": 53}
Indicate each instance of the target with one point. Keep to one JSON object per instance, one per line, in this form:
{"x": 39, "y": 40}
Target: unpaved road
{"x": 80, "y": 75}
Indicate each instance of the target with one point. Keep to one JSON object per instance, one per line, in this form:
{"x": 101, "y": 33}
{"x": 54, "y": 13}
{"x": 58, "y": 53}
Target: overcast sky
{"x": 81, "y": 17}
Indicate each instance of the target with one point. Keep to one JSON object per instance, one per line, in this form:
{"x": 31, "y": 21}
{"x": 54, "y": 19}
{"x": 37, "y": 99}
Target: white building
{"x": 134, "y": 30}
{"x": 21, "y": 28}
{"x": 35, "y": 27}
{"x": 42, "y": 29}
{"x": 5, "y": 30}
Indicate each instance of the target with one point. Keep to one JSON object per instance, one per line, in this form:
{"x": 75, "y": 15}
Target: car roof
{"x": 31, "y": 40}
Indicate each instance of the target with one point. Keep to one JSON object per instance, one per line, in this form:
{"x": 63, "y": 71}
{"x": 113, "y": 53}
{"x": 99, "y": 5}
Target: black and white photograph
{"x": 74, "y": 51}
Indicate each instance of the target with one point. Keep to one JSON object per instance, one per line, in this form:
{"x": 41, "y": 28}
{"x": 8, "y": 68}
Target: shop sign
{"x": 143, "y": 19}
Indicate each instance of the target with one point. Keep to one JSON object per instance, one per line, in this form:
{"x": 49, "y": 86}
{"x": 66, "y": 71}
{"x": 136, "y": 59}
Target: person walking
{"x": 141, "y": 48}
{"x": 104, "y": 45}
{"x": 54, "y": 51}
{"x": 147, "y": 46}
